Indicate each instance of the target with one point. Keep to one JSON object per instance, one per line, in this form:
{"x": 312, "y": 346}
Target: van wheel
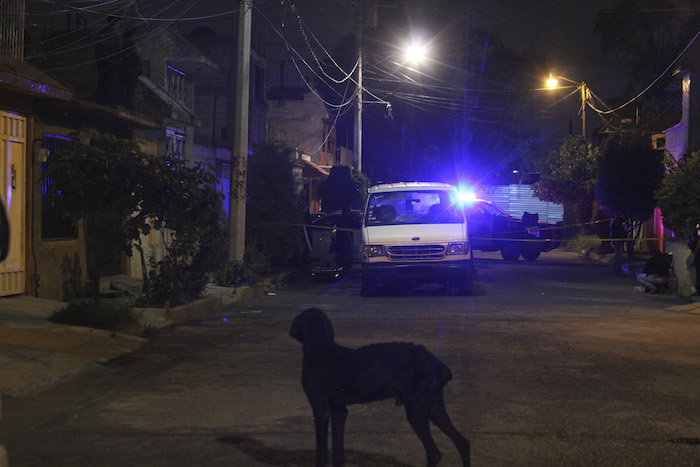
{"x": 510, "y": 251}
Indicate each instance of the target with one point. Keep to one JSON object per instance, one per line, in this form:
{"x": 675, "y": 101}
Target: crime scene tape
{"x": 502, "y": 235}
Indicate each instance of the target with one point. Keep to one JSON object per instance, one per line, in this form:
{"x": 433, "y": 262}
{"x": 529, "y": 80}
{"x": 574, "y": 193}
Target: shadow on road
{"x": 258, "y": 451}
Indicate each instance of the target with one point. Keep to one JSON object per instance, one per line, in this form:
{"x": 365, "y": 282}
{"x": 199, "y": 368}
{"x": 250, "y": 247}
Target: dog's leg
{"x": 438, "y": 415}
{"x": 418, "y": 418}
{"x": 321, "y": 417}
{"x": 338, "y": 417}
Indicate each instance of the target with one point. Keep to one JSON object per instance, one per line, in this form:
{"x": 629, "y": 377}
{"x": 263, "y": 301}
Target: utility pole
{"x": 585, "y": 95}
{"x": 239, "y": 148}
{"x": 584, "y": 99}
{"x": 358, "y": 114}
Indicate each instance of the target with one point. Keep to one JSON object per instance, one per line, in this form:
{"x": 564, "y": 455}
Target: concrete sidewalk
{"x": 36, "y": 353}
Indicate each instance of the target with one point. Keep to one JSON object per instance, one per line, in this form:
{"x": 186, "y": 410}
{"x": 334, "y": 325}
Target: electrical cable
{"x": 653, "y": 82}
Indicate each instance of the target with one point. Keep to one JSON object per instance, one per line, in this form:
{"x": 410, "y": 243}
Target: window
{"x": 175, "y": 83}
{"x": 413, "y": 207}
{"x": 175, "y": 139}
{"x": 54, "y": 222}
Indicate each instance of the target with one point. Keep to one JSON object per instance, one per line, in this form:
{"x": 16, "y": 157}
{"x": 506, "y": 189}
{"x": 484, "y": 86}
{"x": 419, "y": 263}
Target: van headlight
{"x": 457, "y": 248}
{"x": 370, "y": 251}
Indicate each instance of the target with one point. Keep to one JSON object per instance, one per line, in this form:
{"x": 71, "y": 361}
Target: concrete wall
{"x": 298, "y": 123}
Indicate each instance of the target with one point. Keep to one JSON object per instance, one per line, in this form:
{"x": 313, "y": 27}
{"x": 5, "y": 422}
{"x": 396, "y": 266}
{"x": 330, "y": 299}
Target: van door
{"x": 13, "y": 133}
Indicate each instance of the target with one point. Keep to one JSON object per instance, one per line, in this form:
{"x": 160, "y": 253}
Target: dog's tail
{"x": 430, "y": 375}
{"x": 432, "y": 368}
{"x": 441, "y": 372}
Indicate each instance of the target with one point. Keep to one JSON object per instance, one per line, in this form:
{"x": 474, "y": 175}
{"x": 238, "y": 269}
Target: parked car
{"x": 320, "y": 237}
{"x": 493, "y": 229}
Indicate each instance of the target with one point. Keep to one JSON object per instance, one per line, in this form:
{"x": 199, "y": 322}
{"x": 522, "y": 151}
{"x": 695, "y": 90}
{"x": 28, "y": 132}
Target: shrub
{"x": 235, "y": 273}
{"x": 96, "y": 314}
{"x": 175, "y": 282}
{"x": 585, "y": 244}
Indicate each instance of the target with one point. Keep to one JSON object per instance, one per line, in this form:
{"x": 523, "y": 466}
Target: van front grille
{"x": 416, "y": 252}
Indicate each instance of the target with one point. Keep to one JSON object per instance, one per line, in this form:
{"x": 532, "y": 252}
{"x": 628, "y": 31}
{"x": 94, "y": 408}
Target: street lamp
{"x": 414, "y": 53}
{"x": 552, "y": 83}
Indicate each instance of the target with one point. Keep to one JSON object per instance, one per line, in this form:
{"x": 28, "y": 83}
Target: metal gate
{"x": 13, "y": 133}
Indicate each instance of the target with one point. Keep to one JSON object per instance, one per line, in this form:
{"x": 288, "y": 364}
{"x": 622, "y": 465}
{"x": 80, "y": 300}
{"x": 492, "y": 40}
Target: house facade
{"x": 41, "y": 113}
{"x": 297, "y": 118}
{"x": 173, "y": 98}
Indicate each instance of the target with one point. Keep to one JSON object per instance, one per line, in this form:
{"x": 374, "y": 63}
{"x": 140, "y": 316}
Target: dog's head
{"x": 312, "y": 325}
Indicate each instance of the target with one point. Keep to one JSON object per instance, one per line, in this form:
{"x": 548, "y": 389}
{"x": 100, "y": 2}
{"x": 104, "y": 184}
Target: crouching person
{"x": 656, "y": 272}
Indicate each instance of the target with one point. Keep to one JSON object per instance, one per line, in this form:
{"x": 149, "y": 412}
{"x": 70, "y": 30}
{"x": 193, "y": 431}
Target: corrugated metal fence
{"x": 517, "y": 199}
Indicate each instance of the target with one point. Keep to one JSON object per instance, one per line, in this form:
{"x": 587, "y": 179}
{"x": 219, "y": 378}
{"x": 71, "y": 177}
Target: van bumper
{"x": 424, "y": 272}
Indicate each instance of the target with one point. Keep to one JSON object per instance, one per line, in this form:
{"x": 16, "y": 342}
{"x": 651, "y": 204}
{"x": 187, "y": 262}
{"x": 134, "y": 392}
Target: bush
{"x": 174, "y": 281}
{"x": 585, "y": 244}
{"x": 235, "y": 273}
{"x": 96, "y": 314}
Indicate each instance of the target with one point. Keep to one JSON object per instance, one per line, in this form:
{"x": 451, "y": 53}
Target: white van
{"x": 415, "y": 232}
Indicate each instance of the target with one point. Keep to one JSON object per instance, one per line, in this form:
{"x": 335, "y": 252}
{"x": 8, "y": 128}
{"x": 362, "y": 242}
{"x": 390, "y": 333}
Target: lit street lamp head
{"x": 415, "y": 52}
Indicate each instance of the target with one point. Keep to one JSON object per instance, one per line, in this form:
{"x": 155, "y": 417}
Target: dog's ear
{"x": 321, "y": 322}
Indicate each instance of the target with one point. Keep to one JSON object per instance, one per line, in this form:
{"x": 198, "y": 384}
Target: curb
{"x": 215, "y": 300}
{"x": 690, "y": 308}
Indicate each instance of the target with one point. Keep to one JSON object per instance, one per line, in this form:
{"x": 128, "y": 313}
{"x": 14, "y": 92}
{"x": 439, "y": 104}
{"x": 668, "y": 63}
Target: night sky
{"x": 561, "y": 30}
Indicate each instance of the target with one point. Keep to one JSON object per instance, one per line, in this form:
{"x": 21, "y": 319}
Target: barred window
{"x": 175, "y": 139}
{"x": 175, "y": 83}
{"x": 54, "y": 222}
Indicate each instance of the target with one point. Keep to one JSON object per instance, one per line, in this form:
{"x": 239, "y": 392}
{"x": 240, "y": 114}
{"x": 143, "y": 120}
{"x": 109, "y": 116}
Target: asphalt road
{"x": 555, "y": 362}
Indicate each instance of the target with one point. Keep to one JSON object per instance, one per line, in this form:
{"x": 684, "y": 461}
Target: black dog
{"x": 334, "y": 377}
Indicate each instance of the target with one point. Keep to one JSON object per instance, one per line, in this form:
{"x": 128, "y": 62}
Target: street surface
{"x": 555, "y": 362}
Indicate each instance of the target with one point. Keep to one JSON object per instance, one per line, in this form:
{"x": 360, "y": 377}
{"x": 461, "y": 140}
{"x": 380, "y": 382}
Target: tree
{"x": 123, "y": 193}
{"x": 343, "y": 187}
{"x": 644, "y": 34}
{"x": 182, "y": 203}
{"x": 101, "y": 180}
{"x": 679, "y": 195}
{"x": 629, "y": 174}
{"x": 274, "y": 210}
{"x": 569, "y": 177}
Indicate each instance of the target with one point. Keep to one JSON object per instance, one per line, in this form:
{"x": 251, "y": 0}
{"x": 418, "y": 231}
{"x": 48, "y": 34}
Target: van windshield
{"x": 413, "y": 207}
